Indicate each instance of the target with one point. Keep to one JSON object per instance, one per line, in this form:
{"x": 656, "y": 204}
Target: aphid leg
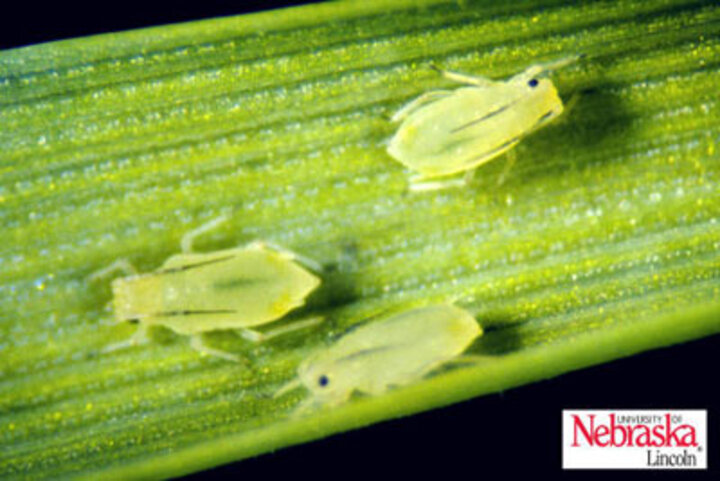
{"x": 186, "y": 244}
{"x": 569, "y": 105}
{"x": 290, "y": 255}
{"x": 287, "y": 387}
{"x": 306, "y": 406}
{"x": 197, "y": 342}
{"x": 141, "y": 336}
{"x": 422, "y": 100}
{"x": 462, "y": 78}
{"x": 257, "y": 336}
{"x": 417, "y": 184}
{"x": 468, "y": 177}
{"x": 511, "y": 158}
{"x": 122, "y": 265}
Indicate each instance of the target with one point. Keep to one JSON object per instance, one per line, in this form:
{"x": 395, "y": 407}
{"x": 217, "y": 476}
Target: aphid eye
{"x": 323, "y": 381}
{"x": 533, "y": 82}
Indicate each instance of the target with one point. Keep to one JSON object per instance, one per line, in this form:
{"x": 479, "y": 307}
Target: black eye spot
{"x": 533, "y": 82}
{"x": 323, "y": 381}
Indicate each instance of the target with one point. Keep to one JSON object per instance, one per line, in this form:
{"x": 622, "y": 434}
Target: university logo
{"x": 634, "y": 439}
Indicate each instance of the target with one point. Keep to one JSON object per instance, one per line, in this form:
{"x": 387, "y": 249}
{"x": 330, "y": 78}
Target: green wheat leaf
{"x": 603, "y": 241}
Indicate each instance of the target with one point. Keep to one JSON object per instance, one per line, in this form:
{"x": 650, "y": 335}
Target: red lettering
{"x": 577, "y": 424}
{"x": 658, "y": 437}
{"x": 602, "y": 431}
{"x": 618, "y": 428}
{"x": 631, "y": 435}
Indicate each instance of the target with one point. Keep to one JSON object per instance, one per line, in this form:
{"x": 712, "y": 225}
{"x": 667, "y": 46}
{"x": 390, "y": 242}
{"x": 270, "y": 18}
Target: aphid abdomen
{"x": 236, "y": 288}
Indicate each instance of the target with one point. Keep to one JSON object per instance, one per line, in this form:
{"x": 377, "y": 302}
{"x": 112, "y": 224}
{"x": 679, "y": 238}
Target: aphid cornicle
{"x": 193, "y": 293}
{"x": 397, "y": 350}
{"x": 446, "y": 132}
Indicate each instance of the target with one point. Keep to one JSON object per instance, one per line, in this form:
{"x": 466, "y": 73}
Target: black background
{"x": 30, "y": 22}
{"x": 508, "y": 434}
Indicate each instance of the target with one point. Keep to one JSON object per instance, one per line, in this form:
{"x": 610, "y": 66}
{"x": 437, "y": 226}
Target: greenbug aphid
{"x": 193, "y": 293}
{"x": 447, "y": 132}
{"x": 397, "y": 350}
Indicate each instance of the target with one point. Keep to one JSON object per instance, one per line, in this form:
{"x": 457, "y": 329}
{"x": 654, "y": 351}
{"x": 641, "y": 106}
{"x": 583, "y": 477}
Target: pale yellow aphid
{"x": 193, "y": 293}
{"x": 447, "y": 132}
{"x": 397, "y": 350}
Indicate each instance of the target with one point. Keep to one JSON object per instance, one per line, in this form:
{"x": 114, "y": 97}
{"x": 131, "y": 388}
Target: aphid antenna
{"x": 186, "y": 243}
{"x": 290, "y": 386}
